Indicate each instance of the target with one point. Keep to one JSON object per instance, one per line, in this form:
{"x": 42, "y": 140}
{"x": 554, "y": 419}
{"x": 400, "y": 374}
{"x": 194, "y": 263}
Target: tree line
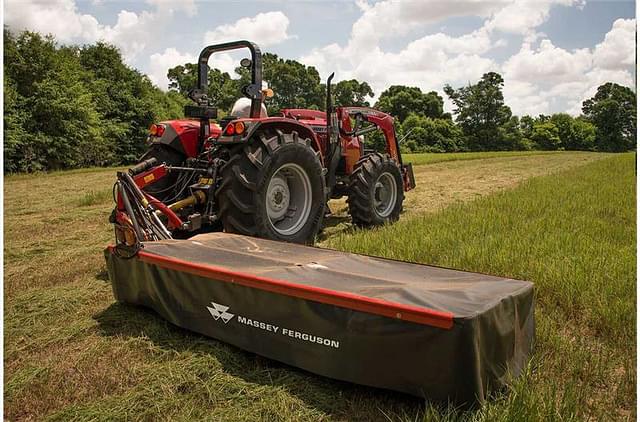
{"x": 79, "y": 106}
{"x": 69, "y": 107}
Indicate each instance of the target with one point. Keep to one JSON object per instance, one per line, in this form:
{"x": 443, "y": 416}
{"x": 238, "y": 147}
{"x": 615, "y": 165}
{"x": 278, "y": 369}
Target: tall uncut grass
{"x": 573, "y": 234}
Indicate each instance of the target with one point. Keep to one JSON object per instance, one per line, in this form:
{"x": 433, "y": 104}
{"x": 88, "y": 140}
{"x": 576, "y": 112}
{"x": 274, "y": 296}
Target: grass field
{"x": 565, "y": 221}
{"x": 430, "y": 158}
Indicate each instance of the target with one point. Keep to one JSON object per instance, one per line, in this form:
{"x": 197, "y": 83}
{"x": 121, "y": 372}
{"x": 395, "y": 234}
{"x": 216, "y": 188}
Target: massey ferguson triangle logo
{"x": 220, "y": 312}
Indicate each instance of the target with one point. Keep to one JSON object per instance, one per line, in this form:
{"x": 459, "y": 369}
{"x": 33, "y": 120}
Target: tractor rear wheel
{"x": 273, "y": 188}
{"x": 375, "y": 191}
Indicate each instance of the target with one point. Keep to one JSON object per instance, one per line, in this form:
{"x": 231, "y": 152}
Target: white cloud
{"x": 540, "y": 78}
{"x": 428, "y": 62}
{"x": 522, "y": 16}
{"x": 547, "y": 62}
{"x": 525, "y": 98}
{"x": 546, "y": 78}
{"x": 617, "y": 51}
{"x": 590, "y": 83}
{"x": 396, "y": 17}
{"x": 265, "y": 29}
{"x": 187, "y": 6}
{"x": 132, "y": 32}
{"x": 160, "y": 63}
{"x": 57, "y": 17}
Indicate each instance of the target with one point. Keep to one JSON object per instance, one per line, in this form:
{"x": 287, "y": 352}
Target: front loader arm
{"x": 384, "y": 122}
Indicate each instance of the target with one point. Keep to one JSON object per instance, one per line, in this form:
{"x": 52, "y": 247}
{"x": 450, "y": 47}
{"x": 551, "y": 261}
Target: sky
{"x": 552, "y": 54}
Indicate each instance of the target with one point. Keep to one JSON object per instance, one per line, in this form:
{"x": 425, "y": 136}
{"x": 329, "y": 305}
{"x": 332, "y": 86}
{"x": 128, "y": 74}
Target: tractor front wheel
{"x": 375, "y": 191}
{"x": 273, "y": 188}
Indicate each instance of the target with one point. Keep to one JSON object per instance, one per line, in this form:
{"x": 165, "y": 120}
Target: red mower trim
{"x": 317, "y": 294}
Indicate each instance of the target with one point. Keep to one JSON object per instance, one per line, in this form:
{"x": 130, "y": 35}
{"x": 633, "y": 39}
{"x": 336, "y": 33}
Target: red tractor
{"x": 261, "y": 176}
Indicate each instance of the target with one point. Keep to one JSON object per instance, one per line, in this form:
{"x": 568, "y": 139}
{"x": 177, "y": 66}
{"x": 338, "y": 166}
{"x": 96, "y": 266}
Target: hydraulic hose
{"x": 147, "y": 213}
{"x": 129, "y": 208}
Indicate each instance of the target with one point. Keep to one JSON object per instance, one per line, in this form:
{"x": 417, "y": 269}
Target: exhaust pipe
{"x": 332, "y": 150}
{"x": 332, "y": 121}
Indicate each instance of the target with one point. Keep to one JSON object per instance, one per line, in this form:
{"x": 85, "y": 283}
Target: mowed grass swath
{"x": 72, "y": 353}
{"x": 430, "y": 158}
{"x": 573, "y": 234}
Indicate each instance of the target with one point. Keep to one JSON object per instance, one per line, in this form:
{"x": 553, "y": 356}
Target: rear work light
{"x": 156, "y": 130}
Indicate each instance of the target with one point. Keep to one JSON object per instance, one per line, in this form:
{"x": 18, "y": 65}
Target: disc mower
{"x": 261, "y": 176}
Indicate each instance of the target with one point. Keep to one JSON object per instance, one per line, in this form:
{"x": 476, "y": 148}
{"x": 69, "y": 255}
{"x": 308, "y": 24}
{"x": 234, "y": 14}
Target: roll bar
{"x": 252, "y": 91}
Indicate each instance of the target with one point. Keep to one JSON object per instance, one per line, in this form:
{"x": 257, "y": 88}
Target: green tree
{"x": 183, "y": 78}
{"x": 51, "y": 120}
{"x": 526, "y": 126}
{"x": 400, "y": 101}
{"x": 613, "y": 111}
{"x": 351, "y": 93}
{"x": 127, "y": 100}
{"x": 511, "y": 137}
{"x": 584, "y": 135}
{"x": 75, "y": 106}
{"x": 480, "y": 111}
{"x": 16, "y": 136}
{"x": 294, "y": 84}
{"x": 545, "y": 136}
{"x": 574, "y": 133}
{"x": 222, "y": 90}
{"x": 29, "y": 58}
{"x": 426, "y": 134}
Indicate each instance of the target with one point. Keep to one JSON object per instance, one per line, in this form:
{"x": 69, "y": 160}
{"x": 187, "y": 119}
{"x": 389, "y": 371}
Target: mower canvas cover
{"x": 432, "y": 332}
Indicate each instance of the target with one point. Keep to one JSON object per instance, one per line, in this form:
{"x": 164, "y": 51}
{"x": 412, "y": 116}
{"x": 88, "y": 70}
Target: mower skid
{"x": 431, "y": 332}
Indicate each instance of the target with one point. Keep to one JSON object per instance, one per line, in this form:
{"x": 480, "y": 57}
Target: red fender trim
{"x": 356, "y": 302}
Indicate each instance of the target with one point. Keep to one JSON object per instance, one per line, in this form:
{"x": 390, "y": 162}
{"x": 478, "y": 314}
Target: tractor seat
{"x": 242, "y": 109}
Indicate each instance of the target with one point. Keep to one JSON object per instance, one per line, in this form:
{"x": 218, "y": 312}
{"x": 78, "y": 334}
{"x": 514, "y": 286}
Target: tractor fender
{"x": 170, "y": 138}
{"x": 179, "y": 135}
{"x": 274, "y": 123}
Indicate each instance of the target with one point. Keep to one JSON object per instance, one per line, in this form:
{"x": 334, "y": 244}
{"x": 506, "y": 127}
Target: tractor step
{"x": 432, "y": 332}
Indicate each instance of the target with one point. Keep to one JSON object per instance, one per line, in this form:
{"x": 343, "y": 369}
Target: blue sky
{"x": 552, "y": 53}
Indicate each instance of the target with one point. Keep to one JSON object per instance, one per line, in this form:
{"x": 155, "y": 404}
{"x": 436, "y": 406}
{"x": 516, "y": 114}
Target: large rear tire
{"x": 375, "y": 191}
{"x": 273, "y": 188}
{"x": 163, "y": 188}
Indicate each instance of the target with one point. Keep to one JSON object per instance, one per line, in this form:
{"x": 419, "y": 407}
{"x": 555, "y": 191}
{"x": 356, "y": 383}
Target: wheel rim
{"x": 288, "y": 199}
{"x": 385, "y": 193}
